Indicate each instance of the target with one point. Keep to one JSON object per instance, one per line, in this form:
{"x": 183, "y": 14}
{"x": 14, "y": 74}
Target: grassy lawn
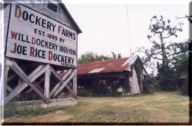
{"x": 160, "y": 107}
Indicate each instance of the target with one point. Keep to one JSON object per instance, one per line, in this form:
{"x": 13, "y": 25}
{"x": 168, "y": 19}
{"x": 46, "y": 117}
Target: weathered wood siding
{"x": 134, "y": 82}
{"x": 6, "y": 18}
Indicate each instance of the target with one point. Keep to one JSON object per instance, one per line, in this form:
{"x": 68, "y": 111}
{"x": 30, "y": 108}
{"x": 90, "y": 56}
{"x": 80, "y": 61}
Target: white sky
{"x": 111, "y": 26}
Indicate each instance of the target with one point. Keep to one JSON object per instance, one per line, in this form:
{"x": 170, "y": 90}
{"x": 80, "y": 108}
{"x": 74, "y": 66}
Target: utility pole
{"x": 128, "y": 29}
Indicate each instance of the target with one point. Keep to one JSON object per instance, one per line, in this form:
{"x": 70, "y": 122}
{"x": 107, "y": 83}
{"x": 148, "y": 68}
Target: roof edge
{"x": 104, "y": 72}
{"x": 65, "y": 8}
{"x": 102, "y": 61}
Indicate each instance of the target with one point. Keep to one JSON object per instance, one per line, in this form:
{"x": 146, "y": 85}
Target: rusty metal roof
{"x": 106, "y": 66}
{"x": 112, "y": 65}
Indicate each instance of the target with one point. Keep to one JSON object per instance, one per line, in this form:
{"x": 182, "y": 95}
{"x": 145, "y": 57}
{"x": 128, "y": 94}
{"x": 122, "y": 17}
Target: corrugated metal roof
{"x": 113, "y": 65}
{"x": 96, "y": 70}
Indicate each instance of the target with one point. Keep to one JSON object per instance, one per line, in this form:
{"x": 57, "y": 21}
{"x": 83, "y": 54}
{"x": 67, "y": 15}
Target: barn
{"x": 122, "y": 76}
{"x": 40, "y": 38}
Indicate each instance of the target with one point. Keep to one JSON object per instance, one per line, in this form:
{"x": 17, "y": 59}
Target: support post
{"x": 60, "y": 82}
{"x": 75, "y": 83}
{"x": 34, "y": 75}
{"x": 64, "y": 84}
{"x": 26, "y": 80}
{"x": 47, "y": 83}
{"x": 9, "y": 88}
{"x": 14, "y": 66}
{"x": 6, "y": 79}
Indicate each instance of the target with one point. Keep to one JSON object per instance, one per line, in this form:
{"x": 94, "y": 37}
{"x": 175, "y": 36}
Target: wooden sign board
{"x": 36, "y": 37}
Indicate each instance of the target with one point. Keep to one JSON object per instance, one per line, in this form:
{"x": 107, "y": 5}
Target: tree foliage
{"x": 164, "y": 53}
{"x": 90, "y": 57}
{"x": 181, "y": 64}
{"x": 160, "y": 31}
{"x": 116, "y": 55}
{"x": 182, "y": 67}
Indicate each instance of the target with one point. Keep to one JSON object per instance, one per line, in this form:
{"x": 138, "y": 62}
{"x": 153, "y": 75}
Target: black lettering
{"x": 54, "y": 25}
{"x": 43, "y": 23}
{"x": 37, "y": 21}
{"x": 21, "y": 49}
{"x": 49, "y": 25}
{"x": 25, "y": 15}
{"x": 74, "y": 36}
{"x": 24, "y": 50}
{"x": 30, "y": 18}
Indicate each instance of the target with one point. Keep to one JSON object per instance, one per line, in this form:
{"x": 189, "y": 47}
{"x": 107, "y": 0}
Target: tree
{"x": 116, "y": 55}
{"x": 181, "y": 66}
{"x": 161, "y": 30}
{"x": 164, "y": 52}
{"x": 119, "y": 56}
{"x": 90, "y": 57}
{"x": 176, "y": 51}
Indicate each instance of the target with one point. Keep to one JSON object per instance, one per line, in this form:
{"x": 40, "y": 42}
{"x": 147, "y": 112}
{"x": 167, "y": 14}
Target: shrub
{"x": 149, "y": 85}
{"x": 185, "y": 88}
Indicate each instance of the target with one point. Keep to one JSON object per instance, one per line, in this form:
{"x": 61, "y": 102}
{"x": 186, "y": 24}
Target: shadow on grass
{"x": 11, "y": 109}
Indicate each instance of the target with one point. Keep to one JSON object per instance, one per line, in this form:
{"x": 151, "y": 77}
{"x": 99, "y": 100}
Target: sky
{"x": 122, "y": 27}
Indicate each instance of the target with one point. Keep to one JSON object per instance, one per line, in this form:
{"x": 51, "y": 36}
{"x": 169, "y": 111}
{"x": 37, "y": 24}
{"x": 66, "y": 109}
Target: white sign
{"x": 36, "y": 37}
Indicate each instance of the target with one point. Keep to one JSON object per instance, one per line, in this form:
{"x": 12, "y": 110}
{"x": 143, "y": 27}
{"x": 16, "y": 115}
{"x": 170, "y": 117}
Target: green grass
{"x": 158, "y": 108}
{"x": 27, "y": 111}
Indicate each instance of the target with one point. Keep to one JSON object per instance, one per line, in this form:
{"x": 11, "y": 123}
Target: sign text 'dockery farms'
{"x": 36, "y": 37}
